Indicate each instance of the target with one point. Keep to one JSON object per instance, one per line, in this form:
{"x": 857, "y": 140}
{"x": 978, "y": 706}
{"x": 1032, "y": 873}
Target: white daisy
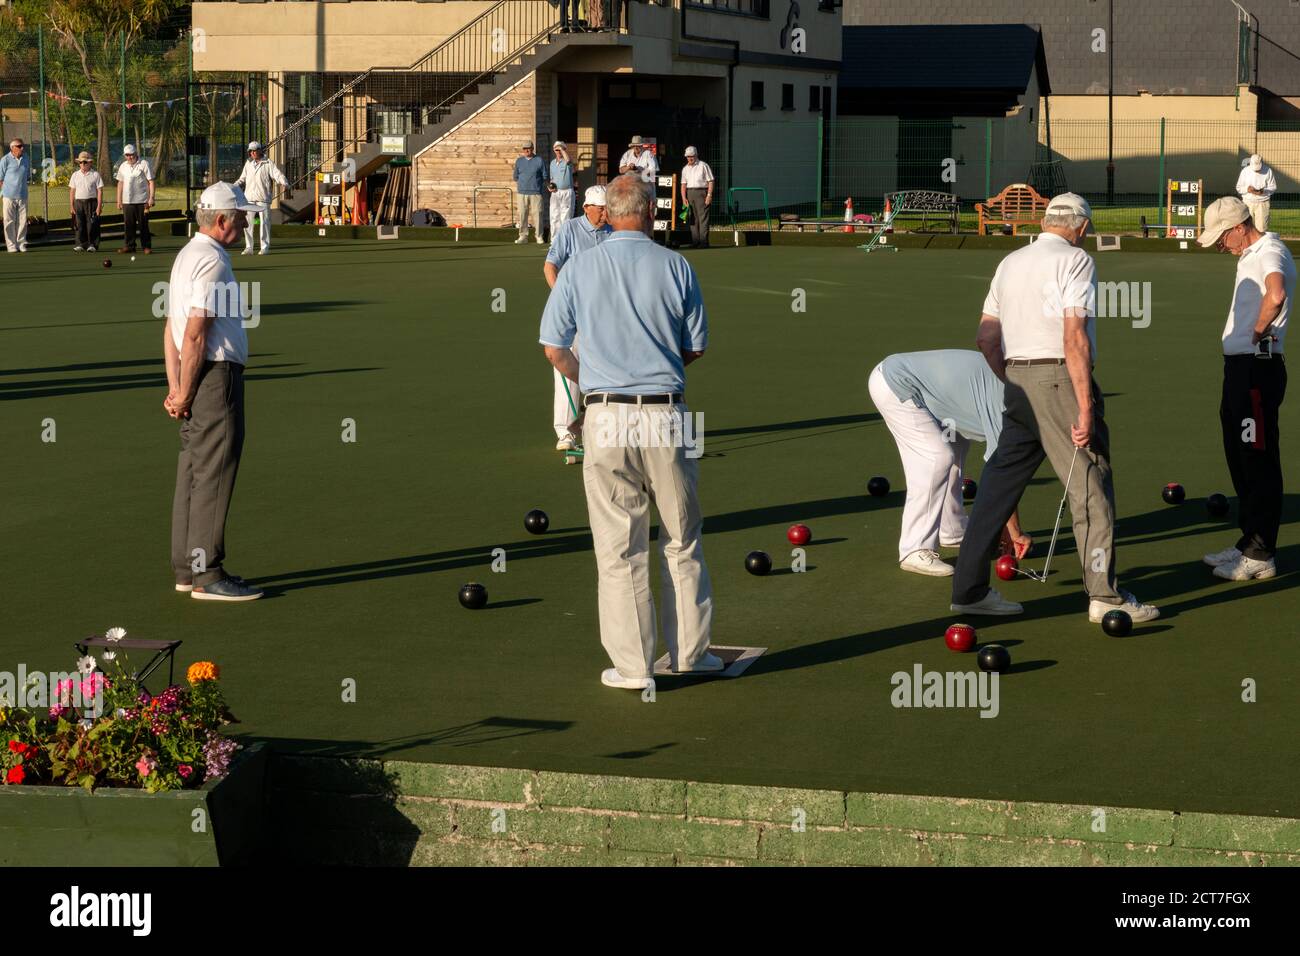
{"x": 86, "y": 665}
{"x": 115, "y": 633}
{"x": 109, "y": 655}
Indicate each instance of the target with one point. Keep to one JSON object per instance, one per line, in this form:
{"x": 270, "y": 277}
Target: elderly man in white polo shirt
{"x": 697, "y": 192}
{"x": 640, "y": 160}
{"x": 1256, "y": 184}
{"x": 135, "y": 190}
{"x": 1254, "y": 383}
{"x": 258, "y": 180}
{"x": 1038, "y": 334}
{"x": 86, "y": 194}
{"x": 205, "y": 349}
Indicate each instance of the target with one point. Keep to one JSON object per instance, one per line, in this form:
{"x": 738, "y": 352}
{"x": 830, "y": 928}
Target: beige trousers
{"x": 1259, "y": 214}
{"x": 15, "y": 224}
{"x": 623, "y": 476}
{"x": 529, "y": 210}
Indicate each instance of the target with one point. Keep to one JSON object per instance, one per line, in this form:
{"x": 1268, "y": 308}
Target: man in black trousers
{"x": 1254, "y": 384}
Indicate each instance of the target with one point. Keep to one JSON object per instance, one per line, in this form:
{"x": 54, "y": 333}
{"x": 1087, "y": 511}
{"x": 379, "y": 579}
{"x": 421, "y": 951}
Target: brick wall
{"x": 400, "y": 813}
{"x": 1184, "y": 47}
{"x": 481, "y": 152}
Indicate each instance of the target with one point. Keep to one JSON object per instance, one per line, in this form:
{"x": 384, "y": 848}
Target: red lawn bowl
{"x": 799, "y": 534}
{"x": 1007, "y": 565}
{"x": 960, "y": 638}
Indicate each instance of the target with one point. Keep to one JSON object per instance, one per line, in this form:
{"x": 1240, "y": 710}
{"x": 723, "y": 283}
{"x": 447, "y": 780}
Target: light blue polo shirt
{"x": 561, "y": 174}
{"x": 14, "y": 174}
{"x": 636, "y": 306}
{"x": 956, "y": 385}
{"x": 574, "y": 236}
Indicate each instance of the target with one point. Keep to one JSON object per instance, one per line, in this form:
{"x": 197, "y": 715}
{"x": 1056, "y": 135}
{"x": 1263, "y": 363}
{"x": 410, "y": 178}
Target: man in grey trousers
{"x": 1038, "y": 333}
{"x": 206, "y": 348}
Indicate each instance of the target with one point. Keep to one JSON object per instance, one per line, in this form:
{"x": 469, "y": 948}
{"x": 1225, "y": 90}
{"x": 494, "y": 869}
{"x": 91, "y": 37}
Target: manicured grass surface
{"x": 363, "y": 546}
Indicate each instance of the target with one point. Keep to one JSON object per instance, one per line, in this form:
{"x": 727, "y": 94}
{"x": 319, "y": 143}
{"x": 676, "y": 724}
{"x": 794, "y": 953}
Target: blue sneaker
{"x": 227, "y": 589}
{"x": 185, "y": 587}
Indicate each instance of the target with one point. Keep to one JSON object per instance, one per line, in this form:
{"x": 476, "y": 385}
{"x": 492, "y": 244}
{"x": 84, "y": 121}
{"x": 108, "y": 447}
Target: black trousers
{"x": 1253, "y": 389}
{"x": 565, "y": 20}
{"x": 135, "y": 218}
{"x": 87, "y": 222}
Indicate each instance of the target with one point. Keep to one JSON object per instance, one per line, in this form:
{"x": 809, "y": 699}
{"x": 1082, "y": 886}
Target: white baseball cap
{"x": 1256, "y": 162}
{"x": 1220, "y": 216}
{"x": 128, "y": 150}
{"x": 558, "y": 144}
{"x": 594, "y": 196}
{"x": 225, "y": 196}
{"x": 1069, "y": 204}
{"x": 690, "y": 151}
{"x": 254, "y": 145}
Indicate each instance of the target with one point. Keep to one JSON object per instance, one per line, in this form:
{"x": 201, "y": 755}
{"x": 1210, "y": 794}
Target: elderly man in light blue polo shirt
{"x": 935, "y": 404}
{"x": 574, "y": 236}
{"x": 15, "y": 170}
{"x": 639, "y": 312}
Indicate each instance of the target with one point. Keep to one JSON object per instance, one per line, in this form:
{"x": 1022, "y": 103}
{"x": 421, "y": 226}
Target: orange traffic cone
{"x": 888, "y": 210}
{"x": 848, "y": 214}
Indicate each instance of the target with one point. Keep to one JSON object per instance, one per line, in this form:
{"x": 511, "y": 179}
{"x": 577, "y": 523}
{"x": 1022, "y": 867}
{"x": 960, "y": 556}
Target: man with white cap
{"x": 530, "y": 180}
{"x": 135, "y": 191}
{"x": 640, "y": 160}
{"x": 86, "y": 195}
{"x": 1256, "y": 184}
{"x": 1254, "y": 383}
{"x": 15, "y": 170}
{"x": 258, "y": 180}
{"x": 697, "y": 192}
{"x": 561, "y": 186}
{"x": 576, "y": 235}
{"x": 205, "y": 349}
{"x": 1038, "y": 334}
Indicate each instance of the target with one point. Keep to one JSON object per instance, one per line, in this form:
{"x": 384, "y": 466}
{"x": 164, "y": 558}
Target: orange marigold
{"x": 201, "y": 671}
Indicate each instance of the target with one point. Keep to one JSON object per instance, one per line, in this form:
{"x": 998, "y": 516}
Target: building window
{"x": 826, "y": 99}
{"x": 814, "y": 99}
{"x": 756, "y": 95}
{"x": 787, "y": 96}
{"x": 751, "y": 8}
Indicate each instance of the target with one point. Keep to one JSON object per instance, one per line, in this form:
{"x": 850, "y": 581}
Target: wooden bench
{"x": 1017, "y": 205}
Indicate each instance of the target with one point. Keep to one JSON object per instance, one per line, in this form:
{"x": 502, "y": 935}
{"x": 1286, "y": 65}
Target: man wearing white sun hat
{"x": 258, "y": 179}
{"x": 1257, "y": 184}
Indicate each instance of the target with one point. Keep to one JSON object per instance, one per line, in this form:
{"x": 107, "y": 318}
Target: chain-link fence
{"x": 809, "y": 170}
{"x": 64, "y": 93}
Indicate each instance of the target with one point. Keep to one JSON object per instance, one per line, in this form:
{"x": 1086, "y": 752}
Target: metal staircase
{"x": 447, "y": 85}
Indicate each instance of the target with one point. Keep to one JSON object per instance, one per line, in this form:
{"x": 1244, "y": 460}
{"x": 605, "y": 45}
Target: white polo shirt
{"x": 1266, "y": 256}
{"x": 203, "y": 279}
{"x": 1031, "y": 290}
{"x": 697, "y": 176}
{"x": 86, "y": 185}
{"x": 1263, "y": 180}
{"x": 645, "y": 163}
{"x": 135, "y": 181}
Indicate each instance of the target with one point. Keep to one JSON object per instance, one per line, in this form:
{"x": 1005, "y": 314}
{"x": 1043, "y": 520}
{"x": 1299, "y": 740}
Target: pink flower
{"x": 64, "y": 692}
{"x": 145, "y": 765}
{"x": 184, "y": 770}
{"x": 92, "y": 686}
{"x": 56, "y": 711}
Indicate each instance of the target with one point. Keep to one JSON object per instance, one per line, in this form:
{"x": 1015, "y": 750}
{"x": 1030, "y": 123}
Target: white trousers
{"x": 561, "y": 209}
{"x": 622, "y": 481}
{"x": 933, "y": 511}
{"x": 264, "y": 211}
{"x": 567, "y": 401}
{"x": 15, "y": 223}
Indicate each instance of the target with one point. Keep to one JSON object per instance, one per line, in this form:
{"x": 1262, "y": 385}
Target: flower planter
{"x": 219, "y": 823}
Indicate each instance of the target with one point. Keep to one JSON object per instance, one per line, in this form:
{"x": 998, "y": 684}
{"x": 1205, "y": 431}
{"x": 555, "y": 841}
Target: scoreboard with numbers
{"x": 329, "y": 199}
{"x": 665, "y": 207}
{"x": 1183, "y": 208}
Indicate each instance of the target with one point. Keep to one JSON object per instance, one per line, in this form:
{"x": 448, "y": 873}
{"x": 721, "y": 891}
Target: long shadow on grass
{"x": 119, "y": 383}
{"x": 95, "y": 366}
{"x": 794, "y": 426}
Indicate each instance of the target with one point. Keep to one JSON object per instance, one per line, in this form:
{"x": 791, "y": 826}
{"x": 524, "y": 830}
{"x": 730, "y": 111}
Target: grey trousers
{"x": 1040, "y": 409}
{"x": 212, "y": 439}
{"x": 699, "y": 216}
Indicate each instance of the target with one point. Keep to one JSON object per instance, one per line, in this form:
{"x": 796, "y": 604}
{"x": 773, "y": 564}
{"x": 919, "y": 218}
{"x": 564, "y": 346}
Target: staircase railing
{"x": 410, "y": 99}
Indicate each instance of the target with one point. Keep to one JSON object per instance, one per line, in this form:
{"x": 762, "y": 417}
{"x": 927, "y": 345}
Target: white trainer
{"x": 520, "y": 241}
{"x": 708, "y": 664}
{"x": 610, "y": 677}
{"x": 1246, "y": 569}
{"x": 992, "y": 603}
{"x": 1227, "y": 556}
{"x": 926, "y": 562}
{"x": 1132, "y": 607}
{"x": 566, "y": 444}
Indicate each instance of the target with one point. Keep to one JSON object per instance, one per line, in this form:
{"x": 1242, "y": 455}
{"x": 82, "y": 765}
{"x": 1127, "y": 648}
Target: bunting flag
{"x": 74, "y": 99}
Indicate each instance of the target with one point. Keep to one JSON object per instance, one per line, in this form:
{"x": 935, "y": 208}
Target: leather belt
{"x": 1028, "y": 363}
{"x": 609, "y": 398}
